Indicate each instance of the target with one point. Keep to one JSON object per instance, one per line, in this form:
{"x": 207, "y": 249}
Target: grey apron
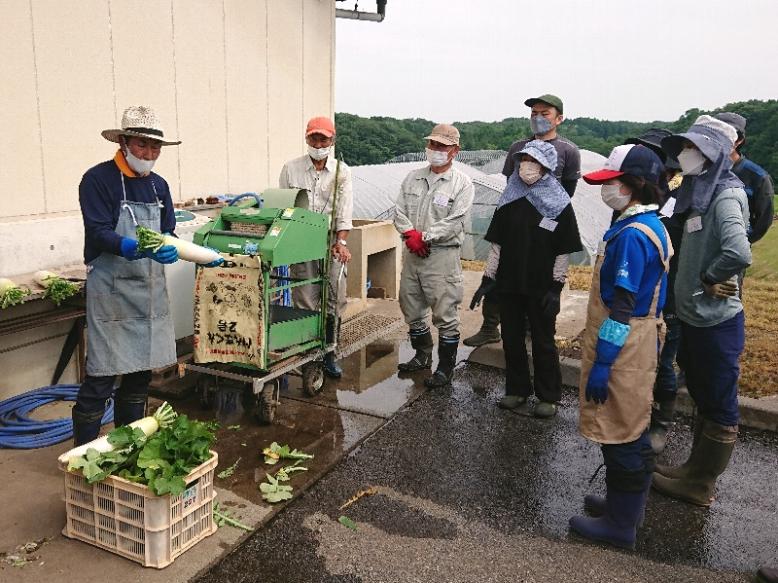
{"x": 130, "y": 327}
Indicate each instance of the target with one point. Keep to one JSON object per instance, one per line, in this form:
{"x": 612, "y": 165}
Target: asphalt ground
{"x": 468, "y": 492}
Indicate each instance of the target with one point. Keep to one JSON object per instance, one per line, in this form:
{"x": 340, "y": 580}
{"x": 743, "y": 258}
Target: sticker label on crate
{"x": 229, "y": 313}
{"x": 190, "y": 496}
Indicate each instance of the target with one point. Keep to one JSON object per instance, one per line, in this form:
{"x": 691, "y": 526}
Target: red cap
{"x": 320, "y": 125}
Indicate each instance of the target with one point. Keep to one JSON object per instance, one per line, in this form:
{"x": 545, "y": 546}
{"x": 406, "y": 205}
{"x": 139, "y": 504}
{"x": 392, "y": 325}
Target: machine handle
{"x": 246, "y": 195}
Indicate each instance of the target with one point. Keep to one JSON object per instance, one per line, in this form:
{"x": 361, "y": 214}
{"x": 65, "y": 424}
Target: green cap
{"x": 547, "y": 98}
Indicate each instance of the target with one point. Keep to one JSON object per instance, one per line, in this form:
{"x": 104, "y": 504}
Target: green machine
{"x": 282, "y": 232}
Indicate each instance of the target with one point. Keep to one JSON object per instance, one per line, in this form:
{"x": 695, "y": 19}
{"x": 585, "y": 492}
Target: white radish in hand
{"x": 163, "y": 417}
{"x": 150, "y": 240}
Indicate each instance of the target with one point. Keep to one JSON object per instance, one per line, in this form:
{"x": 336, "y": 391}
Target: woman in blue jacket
{"x": 620, "y": 342}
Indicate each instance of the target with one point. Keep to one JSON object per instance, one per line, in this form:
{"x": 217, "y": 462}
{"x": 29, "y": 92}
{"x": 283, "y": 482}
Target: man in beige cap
{"x": 315, "y": 172}
{"x": 431, "y": 210}
{"x": 127, "y": 306}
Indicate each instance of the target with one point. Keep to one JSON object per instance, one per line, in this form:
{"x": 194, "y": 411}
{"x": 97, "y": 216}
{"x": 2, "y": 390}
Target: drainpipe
{"x": 377, "y": 16}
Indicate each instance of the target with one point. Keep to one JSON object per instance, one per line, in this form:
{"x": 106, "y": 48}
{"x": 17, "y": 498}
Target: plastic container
{"x": 130, "y": 520}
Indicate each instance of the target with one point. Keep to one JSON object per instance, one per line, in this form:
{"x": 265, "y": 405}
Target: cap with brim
{"x": 549, "y": 99}
{"x": 320, "y": 125}
{"x": 736, "y": 120}
{"x": 631, "y": 159}
{"x": 444, "y": 134}
{"x": 139, "y": 122}
{"x": 652, "y": 138}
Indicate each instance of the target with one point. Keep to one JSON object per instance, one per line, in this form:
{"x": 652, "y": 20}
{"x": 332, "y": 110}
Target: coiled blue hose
{"x": 18, "y": 431}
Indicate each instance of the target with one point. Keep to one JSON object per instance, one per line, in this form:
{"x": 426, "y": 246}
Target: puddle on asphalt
{"x": 327, "y": 426}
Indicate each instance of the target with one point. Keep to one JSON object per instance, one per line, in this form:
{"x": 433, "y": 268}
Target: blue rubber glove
{"x": 610, "y": 341}
{"x": 129, "y": 249}
{"x": 166, "y": 254}
{"x": 215, "y": 262}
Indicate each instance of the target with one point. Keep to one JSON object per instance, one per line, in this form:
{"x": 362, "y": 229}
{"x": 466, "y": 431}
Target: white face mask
{"x": 142, "y": 167}
{"x": 691, "y": 161}
{"x": 530, "y": 172}
{"x": 612, "y": 196}
{"x": 319, "y": 153}
{"x": 436, "y": 158}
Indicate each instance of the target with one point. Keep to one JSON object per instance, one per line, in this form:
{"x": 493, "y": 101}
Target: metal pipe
{"x": 377, "y": 16}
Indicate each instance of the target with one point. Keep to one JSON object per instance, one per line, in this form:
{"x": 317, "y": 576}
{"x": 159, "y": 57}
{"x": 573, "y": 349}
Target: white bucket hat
{"x": 141, "y": 122}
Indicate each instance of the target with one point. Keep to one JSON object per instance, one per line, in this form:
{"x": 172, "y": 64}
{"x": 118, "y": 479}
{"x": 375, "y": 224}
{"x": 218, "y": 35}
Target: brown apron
{"x": 627, "y": 412}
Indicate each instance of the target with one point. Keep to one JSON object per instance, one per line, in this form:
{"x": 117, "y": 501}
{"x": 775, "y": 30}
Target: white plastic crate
{"x": 130, "y": 520}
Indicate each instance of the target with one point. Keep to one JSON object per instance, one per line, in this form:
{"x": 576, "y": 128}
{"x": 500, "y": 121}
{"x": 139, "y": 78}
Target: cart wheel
{"x": 267, "y": 402}
{"x": 205, "y": 389}
{"x": 313, "y": 378}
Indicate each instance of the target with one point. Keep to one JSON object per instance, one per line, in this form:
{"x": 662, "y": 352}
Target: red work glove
{"x": 415, "y": 243}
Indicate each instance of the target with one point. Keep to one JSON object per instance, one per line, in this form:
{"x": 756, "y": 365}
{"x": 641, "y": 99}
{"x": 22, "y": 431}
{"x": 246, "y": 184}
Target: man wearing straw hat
{"x": 130, "y": 328}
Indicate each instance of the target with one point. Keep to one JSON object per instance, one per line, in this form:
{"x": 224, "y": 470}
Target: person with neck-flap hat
{"x": 430, "y": 216}
{"x": 714, "y": 252}
{"x": 531, "y": 234}
{"x": 130, "y": 327}
{"x": 620, "y": 342}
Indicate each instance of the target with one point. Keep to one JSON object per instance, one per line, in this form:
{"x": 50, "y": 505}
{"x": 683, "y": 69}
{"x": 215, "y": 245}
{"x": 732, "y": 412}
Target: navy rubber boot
{"x": 331, "y": 367}
{"x": 617, "y": 526}
{"x": 595, "y": 505}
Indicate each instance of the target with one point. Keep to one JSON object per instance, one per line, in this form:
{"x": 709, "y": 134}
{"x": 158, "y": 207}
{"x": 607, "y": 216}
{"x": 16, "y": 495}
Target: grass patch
{"x": 759, "y": 363}
{"x": 580, "y": 277}
{"x": 468, "y": 265}
{"x": 764, "y": 264}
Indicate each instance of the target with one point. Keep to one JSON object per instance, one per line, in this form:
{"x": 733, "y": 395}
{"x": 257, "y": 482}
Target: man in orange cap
{"x": 315, "y": 172}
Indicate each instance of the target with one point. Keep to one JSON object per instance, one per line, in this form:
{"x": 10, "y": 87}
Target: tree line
{"x": 374, "y": 140}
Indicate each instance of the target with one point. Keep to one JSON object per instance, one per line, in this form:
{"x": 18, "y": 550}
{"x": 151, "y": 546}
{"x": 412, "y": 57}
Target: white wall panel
{"x": 285, "y": 81}
{"x": 21, "y": 179}
{"x": 247, "y": 96}
{"x": 143, "y": 51}
{"x": 75, "y": 89}
{"x": 200, "y": 93}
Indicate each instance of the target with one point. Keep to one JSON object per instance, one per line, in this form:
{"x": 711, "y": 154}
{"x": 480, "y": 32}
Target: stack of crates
{"x": 130, "y": 520}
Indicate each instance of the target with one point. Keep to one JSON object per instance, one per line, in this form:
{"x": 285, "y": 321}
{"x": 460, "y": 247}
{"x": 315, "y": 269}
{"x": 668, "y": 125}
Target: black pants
{"x": 515, "y": 311}
{"x": 129, "y": 402}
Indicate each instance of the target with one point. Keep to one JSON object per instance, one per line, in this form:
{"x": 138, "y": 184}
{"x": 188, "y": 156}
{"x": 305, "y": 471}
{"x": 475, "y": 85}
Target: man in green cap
{"x": 545, "y": 117}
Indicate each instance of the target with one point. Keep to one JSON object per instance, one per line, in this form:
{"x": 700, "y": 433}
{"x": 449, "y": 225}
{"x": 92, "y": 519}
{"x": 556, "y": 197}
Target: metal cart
{"x": 281, "y": 232}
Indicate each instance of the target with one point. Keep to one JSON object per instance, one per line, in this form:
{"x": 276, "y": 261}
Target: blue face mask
{"x": 540, "y": 125}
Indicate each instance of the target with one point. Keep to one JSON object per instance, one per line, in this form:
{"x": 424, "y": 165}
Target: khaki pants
{"x": 432, "y": 284}
{"x": 308, "y": 297}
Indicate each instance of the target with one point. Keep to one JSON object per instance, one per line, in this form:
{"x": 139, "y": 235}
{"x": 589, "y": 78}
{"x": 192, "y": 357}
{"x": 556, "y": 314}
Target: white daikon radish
{"x": 56, "y": 288}
{"x": 150, "y": 240}
{"x": 11, "y": 294}
{"x": 163, "y": 417}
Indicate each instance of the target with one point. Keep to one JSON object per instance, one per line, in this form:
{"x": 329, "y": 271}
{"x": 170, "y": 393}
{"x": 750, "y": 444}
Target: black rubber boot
{"x": 489, "y": 332}
{"x": 86, "y": 426}
{"x": 661, "y": 422}
{"x": 447, "y": 359}
{"x": 422, "y": 343}
{"x": 129, "y": 407}
{"x": 708, "y": 461}
{"x": 331, "y": 367}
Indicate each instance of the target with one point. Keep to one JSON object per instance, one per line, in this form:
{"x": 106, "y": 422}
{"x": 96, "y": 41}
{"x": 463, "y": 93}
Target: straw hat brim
{"x": 113, "y": 136}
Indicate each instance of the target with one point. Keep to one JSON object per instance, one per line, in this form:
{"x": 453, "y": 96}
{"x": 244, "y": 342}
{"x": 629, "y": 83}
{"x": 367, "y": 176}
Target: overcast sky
{"x": 463, "y": 60}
